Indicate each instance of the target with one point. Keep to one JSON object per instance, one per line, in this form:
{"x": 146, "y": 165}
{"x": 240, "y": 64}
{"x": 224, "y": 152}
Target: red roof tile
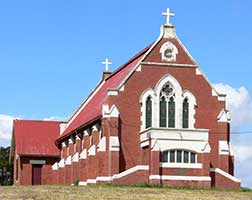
{"x": 93, "y": 108}
{"x": 36, "y": 137}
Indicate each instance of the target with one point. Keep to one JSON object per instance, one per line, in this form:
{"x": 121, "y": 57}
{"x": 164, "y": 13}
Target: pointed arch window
{"x": 185, "y": 113}
{"x": 167, "y": 107}
{"x": 171, "y": 114}
{"x": 148, "y": 112}
{"x": 163, "y": 112}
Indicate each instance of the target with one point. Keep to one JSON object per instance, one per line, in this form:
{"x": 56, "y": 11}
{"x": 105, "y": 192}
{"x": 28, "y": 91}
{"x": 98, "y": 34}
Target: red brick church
{"x": 155, "y": 120}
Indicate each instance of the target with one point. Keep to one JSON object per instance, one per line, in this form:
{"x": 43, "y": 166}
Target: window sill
{"x": 181, "y": 165}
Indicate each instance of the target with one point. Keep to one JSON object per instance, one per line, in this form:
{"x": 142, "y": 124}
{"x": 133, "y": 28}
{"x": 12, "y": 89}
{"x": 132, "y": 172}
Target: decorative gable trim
{"x": 69, "y": 160}
{"x": 55, "y": 166}
{"x": 224, "y": 116}
{"x": 168, "y": 64}
{"x": 83, "y": 154}
{"x": 112, "y": 112}
{"x": 62, "y": 163}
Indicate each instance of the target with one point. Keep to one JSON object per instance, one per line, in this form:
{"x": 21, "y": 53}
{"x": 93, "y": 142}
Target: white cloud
{"x": 54, "y": 118}
{"x": 239, "y": 103}
{"x": 6, "y": 122}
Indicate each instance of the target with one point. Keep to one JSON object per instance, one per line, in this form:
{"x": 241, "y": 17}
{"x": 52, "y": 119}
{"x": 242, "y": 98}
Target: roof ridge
{"x": 129, "y": 61}
{"x": 41, "y": 121}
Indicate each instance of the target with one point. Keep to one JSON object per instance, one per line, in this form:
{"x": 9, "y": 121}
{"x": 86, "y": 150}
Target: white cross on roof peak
{"x": 168, "y": 15}
{"x": 106, "y": 63}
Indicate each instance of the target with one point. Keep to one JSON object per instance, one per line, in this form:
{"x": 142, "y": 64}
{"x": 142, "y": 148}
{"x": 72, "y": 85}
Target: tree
{"x": 6, "y": 168}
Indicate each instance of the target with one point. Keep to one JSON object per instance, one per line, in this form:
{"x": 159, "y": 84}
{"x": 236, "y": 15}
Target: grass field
{"x": 116, "y": 192}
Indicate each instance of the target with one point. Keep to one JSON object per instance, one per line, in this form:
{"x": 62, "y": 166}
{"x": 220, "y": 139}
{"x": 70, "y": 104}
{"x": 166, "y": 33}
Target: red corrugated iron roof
{"x": 36, "y": 137}
{"x": 93, "y": 108}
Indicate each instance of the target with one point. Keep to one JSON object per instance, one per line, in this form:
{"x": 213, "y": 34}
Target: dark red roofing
{"x": 36, "y": 137}
{"x": 93, "y": 108}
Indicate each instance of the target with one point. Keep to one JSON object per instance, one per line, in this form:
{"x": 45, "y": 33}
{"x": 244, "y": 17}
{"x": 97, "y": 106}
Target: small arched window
{"x": 185, "y": 113}
{"x": 179, "y": 156}
{"x": 148, "y": 112}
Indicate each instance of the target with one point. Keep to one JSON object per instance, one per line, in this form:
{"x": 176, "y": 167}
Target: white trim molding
{"x": 181, "y": 165}
{"x": 62, "y": 163}
{"x": 102, "y": 145}
{"x": 76, "y": 157}
{"x": 83, "y": 154}
{"x": 110, "y": 112}
{"x": 224, "y": 116}
{"x": 180, "y": 178}
{"x": 132, "y": 170}
{"x": 225, "y": 174}
{"x": 55, "y": 166}
{"x": 92, "y": 151}
{"x": 69, "y": 160}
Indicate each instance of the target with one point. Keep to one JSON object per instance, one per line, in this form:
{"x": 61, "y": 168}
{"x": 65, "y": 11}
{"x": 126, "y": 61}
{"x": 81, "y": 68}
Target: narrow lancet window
{"x": 163, "y": 112}
{"x": 148, "y": 112}
{"x": 185, "y": 113}
{"x": 171, "y": 116}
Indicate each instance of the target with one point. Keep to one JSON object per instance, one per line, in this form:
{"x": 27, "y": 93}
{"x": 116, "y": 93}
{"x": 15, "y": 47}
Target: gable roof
{"x": 35, "y": 137}
{"x": 92, "y": 106}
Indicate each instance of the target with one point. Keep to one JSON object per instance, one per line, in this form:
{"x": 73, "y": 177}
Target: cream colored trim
{"x": 69, "y": 160}
{"x": 180, "y": 178}
{"x": 132, "y": 170}
{"x": 82, "y": 183}
{"x": 112, "y": 112}
{"x": 225, "y": 174}
{"x": 168, "y": 64}
{"x": 91, "y": 181}
{"x": 76, "y": 157}
{"x": 62, "y": 163}
{"x": 181, "y": 165}
{"x": 92, "y": 151}
{"x": 55, "y": 166}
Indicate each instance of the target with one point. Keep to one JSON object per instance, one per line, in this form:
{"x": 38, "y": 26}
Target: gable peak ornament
{"x": 168, "y": 14}
{"x": 107, "y": 63}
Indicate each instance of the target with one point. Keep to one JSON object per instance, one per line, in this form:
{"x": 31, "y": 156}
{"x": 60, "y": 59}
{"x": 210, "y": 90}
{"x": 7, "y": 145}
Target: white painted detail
{"x": 180, "y": 178}
{"x": 155, "y": 145}
{"x": 37, "y": 162}
{"x": 69, "y": 160}
{"x": 214, "y": 92}
{"x": 112, "y": 92}
{"x": 168, "y": 15}
{"x": 112, "y": 112}
{"x": 91, "y": 181}
{"x": 92, "y": 151}
{"x": 139, "y": 68}
{"x": 62, "y": 126}
{"x": 121, "y": 88}
{"x": 55, "y": 166}
{"x": 224, "y": 116}
{"x": 198, "y": 72}
{"x": 168, "y": 52}
{"x": 102, "y": 145}
{"x": 132, "y": 170}
{"x": 76, "y": 157}
{"x": 77, "y": 137}
{"x": 107, "y": 63}
{"x": 96, "y": 127}
{"x": 83, "y": 154}
{"x": 169, "y": 64}
{"x": 70, "y": 141}
{"x": 225, "y": 174}
{"x": 114, "y": 144}
{"x": 87, "y": 132}
{"x": 145, "y": 144}
{"x": 222, "y": 98}
{"x": 224, "y": 148}
{"x": 62, "y": 163}
{"x": 231, "y": 149}
{"x": 182, "y": 165}
{"x": 82, "y": 183}
{"x": 104, "y": 178}
{"x": 63, "y": 144}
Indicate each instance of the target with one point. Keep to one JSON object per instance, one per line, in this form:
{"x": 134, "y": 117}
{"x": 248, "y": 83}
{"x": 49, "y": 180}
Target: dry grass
{"x": 116, "y": 193}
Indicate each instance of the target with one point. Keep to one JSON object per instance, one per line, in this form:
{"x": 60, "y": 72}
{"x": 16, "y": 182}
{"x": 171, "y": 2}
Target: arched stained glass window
{"x": 171, "y": 115}
{"x": 163, "y": 112}
{"x": 148, "y": 112}
{"x": 185, "y": 113}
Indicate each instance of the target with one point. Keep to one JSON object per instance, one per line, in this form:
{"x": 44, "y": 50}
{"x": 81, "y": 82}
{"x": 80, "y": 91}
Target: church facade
{"x": 155, "y": 120}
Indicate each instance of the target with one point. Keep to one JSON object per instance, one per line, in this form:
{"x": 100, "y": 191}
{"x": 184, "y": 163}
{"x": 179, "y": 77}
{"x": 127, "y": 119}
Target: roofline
{"x": 57, "y": 141}
{"x": 43, "y": 121}
{"x": 39, "y": 155}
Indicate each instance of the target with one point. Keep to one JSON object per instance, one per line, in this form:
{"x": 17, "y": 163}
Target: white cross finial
{"x": 106, "y": 63}
{"x": 168, "y": 14}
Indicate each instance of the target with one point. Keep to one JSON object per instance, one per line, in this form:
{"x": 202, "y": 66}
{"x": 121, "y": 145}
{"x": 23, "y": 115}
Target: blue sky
{"x": 51, "y": 51}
